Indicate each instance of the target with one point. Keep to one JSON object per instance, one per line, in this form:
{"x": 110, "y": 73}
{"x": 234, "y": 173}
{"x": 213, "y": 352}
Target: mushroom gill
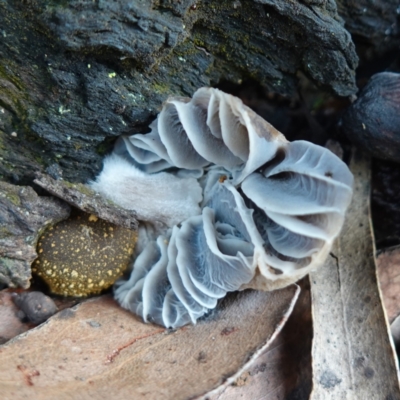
{"x": 227, "y": 203}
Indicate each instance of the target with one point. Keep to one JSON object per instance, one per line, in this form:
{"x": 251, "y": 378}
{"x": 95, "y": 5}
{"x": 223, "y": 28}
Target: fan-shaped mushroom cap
{"x": 239, "y": 206}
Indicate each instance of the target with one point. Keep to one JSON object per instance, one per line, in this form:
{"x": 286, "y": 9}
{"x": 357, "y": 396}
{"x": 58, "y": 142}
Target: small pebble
{"x": 36, "y": 306}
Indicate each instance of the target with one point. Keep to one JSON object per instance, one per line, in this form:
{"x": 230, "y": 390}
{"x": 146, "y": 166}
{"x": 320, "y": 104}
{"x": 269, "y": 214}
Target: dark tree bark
{"x": 74, "y": 75}
{"x": 372, "y": 23}
{"x": 23, "y": 217}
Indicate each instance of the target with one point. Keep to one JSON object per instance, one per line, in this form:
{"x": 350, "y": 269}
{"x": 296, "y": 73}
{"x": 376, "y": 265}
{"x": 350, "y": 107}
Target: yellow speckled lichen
{"x": 83, "y": 255}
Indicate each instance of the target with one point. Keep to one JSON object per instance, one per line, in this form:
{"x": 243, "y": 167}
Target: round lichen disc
{"x": 83, "y": 255}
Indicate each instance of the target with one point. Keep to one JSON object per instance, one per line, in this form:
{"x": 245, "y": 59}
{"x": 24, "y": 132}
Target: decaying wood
{"x": 76, "y": 75}
{"x": 372, "y": 22}
{"x": 23, "y": 217}
{"x": 97, "y": 348}
{"x": 352, "y": 351}
{"x": 84, "y": 198}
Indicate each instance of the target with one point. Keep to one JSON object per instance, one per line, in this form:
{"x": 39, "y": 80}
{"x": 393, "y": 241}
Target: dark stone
{"x": 373, "y": 120}
{"x": 75, "y": 75}
{"x": 36, "y": 306}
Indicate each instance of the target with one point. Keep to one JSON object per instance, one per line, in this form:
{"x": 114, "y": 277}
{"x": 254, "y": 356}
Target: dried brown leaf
{"x": 388, "y": 269}
{"x": 10, "y": 323}
{"x": 97, "y": 350}
{"x": 283, "y": 370}
{"x": 352, "y": 352}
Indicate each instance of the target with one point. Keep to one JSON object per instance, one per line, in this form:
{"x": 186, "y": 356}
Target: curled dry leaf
{"x": 352, "y": 352}
{"x": 388, "y": 266}
{"x": 97, "y": 348}
{"x": 388, "y": 263}
{"x": 283, "y": 370}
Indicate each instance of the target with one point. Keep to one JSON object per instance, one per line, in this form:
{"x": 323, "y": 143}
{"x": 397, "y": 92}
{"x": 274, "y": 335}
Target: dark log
{"x": 373, "y": 120}
{"x": 372, "y": 23}
{"x": 75, "y": 75}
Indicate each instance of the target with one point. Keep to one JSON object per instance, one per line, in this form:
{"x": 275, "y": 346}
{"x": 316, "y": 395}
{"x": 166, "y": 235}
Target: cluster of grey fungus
{"x": 225, "y": 203}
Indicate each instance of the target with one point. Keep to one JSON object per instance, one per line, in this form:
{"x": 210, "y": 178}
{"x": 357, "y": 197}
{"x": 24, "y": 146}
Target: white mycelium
{"x": 227, "y": 203}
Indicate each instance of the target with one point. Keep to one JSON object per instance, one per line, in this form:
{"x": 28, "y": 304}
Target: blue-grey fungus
{"x": 225, "y": 203}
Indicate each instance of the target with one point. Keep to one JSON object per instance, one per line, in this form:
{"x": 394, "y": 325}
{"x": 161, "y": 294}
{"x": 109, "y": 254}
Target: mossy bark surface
{"x": 23, "y": 217}
{"x": 75, "y": 75}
